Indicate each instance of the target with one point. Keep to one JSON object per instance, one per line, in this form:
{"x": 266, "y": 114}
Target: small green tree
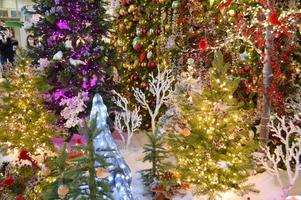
{"x": 79, "y": 174}
{"x": 216, "y": 154}
{"x": 24, "y": 120}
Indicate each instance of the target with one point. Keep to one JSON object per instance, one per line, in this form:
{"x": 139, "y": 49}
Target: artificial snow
{"x": 265, "y": 183}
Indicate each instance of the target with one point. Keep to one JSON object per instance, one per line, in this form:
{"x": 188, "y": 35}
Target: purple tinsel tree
{"x": 73, "y": 54}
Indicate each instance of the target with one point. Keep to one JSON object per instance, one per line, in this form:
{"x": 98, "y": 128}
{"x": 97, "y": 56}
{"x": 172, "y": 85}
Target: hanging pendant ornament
{"x": 171, "y": 42}
{"x": 136, "y": 40}
{"x": 203, "y": 44}
{"x": 142, "y": 57}
{"x": 58, "y": 55}
{"x": 151, "y": 65}
{"x": 102, "y": 173}
{"x": 68, "y": 44}
{"x": 138, "y": 47}
{"x": 175, "y": 4}
{"x": 62, "y": 191}
{"x": 149, "y": 55}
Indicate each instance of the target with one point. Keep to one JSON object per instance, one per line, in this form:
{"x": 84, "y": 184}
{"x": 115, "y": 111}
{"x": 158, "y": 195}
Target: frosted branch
{"x": 127, "y": 122}
{"x": 160, "y": 87}
{"x": 289, "y": 152}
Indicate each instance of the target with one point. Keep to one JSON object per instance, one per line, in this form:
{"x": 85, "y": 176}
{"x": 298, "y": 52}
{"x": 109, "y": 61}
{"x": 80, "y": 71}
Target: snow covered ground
{"x": 265, "y": 183}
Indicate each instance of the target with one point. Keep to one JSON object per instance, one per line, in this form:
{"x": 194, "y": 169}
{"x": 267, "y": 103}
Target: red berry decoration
{"x": 138, "y": 47}
{"x": 151, "y": 65}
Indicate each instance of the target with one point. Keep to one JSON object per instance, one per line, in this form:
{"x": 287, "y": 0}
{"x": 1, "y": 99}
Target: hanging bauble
{"x": 122, "y": 12}
{"x": 138, "y": 47}
{"x": 185, "y": 132}
{"x": 151, "y": 65}
{"x": 136, "y": 63}
{"x": 124, "y": 48}
{"x": 143, "y": 31}
{"x": 203, "y": 44}
{"x": 158, "y": 31}
{"x": 125, "y": 2}
{"x": 45, "y": 171}
{"x": 102, "y": 173}
{"x": 62, "y": 191}
{"x": 143, "y": 85}
{"x": 182, "y": 8}
{"x": 175, "y": 5}
{"x": 167, "y": 27}
{"x": 121, "y": 28}
{"x": 171, "y": 43}
{"x": 149, "y": 55}
{"x": 131, "y": 8}
{"x": 142, "y": 57}
{"x": 134, "y": 77}
{"x": 151, "y": 31}
{"x": 136, "y": 18}
{"x": 129, "y": 25}
{"x": 136, "y": 40}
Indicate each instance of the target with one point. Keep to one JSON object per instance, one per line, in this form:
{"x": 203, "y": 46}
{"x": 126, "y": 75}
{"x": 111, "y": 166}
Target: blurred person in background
{"x": 8, "y": 47}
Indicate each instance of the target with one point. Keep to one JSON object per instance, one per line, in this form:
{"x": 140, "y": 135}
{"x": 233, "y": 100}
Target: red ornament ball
{"x": 203, "y": 44}
{"x": 151, "y": 65}
{"x": 138, "y": 47}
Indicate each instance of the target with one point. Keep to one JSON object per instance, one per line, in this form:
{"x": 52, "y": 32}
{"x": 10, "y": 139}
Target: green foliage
{"x": 217, "y": 155}
{"x": 155, "y": 153}
{"x": 24, "y": 120}
{"x": 79, "y": 172}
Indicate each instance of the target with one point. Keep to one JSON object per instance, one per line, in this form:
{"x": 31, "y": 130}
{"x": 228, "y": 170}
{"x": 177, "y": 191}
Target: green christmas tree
{"x": 79, "y": 172}
{"x": 24, "y": 121}
{"x": 214, "y": 151}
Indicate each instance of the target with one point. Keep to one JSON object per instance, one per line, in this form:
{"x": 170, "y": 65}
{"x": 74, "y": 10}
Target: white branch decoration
{"x": 288, "y": 153}
{"x": 128, "y": 119}
{"x": 161, "y": 89}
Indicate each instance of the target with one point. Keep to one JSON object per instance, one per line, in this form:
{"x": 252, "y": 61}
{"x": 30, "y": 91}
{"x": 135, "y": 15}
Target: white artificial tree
{"x": 161, "y": 88}
{"x": 289, "y": 152}
{"x": 129, "y": 119}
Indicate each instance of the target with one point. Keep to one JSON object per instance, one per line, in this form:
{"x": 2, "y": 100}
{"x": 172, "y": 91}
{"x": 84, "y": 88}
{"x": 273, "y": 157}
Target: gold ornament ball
{"x": 131, "y": 8}
{"x": 121, "y": 12}
{"x": 167, "y": 27}
{"x": 62, "y": 191}
{"x": 124, "y": 48}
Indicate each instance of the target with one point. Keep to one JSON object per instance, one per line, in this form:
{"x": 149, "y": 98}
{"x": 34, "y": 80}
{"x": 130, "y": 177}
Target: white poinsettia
{"x": 73, "y": 106}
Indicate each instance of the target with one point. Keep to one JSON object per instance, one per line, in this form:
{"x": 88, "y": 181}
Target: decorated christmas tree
{"x": 144, "y": 34}
{"x": 258, "y": 38}
{"x": 24, "y": 120}
{"x": 213, "y": 149}
{"x": 73, "y": 53}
